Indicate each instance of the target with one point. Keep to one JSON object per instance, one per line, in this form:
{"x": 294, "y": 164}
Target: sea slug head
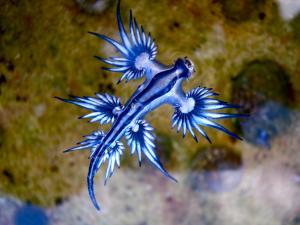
{"x": 185, "y": 68}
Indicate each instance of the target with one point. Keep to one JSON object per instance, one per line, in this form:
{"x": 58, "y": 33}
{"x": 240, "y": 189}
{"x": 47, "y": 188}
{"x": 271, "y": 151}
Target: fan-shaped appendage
{"x": 138, "y": 50}
{"x": 112, "y": 154}
{"x": 105, "y": 107}
{"x": 140, "y": 138}
{"x": 198, "y": 110}
{"x": 91, "y": 142}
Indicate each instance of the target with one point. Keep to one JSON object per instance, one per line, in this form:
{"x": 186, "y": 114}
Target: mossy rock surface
{"x": 261, "y": 81}
{"x": 295, "y": 24}
{"x": 165, "y": 150}
{"x": 216, "y": 158}
{"x": 264, "y": 90}
{"x": 93, "y": 6}
{"x": 242, "y": 10}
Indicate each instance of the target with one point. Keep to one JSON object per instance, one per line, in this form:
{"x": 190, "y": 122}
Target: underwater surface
{"x": 248, "y": 51}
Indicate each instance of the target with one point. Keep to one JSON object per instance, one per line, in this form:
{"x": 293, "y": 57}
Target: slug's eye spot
{"x": 189, "y": 64}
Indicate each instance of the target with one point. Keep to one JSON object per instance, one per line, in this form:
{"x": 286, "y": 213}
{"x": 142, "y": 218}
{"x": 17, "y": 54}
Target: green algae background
{"x": 45, "y": 51}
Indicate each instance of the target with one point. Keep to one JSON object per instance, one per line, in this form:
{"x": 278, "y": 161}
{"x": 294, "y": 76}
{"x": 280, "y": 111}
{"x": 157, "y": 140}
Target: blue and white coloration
{"x": 162, "y": 85}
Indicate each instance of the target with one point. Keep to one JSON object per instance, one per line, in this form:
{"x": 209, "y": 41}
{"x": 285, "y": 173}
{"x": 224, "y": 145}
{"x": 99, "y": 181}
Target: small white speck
{"x": 39, "y": 109}
{"x": 135, "y": 128}
{"x": 188, "y": 106}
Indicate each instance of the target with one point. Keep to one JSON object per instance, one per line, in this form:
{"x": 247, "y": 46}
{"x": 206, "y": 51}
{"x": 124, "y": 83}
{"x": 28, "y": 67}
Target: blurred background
{"x": 246, "y": 50}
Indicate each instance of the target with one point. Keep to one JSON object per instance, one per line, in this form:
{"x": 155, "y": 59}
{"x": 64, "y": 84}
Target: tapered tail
{"x": 90, "y": 180}
{"x": 112, "y": 154}
{"x": 99, "y": 154}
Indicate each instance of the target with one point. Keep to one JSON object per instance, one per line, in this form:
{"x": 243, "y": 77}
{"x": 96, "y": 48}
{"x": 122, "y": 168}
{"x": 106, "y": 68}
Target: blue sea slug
{"x": 162, "y": 85}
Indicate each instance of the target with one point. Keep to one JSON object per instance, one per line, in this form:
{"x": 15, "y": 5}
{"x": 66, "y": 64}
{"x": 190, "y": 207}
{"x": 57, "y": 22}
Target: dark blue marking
{"x": 30, "y": 215}
{"x": 269, "y": 121}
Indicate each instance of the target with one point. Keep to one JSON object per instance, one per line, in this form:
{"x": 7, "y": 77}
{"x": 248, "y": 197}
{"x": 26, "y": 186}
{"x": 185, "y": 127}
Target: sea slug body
{"x": 162, "y": 85}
